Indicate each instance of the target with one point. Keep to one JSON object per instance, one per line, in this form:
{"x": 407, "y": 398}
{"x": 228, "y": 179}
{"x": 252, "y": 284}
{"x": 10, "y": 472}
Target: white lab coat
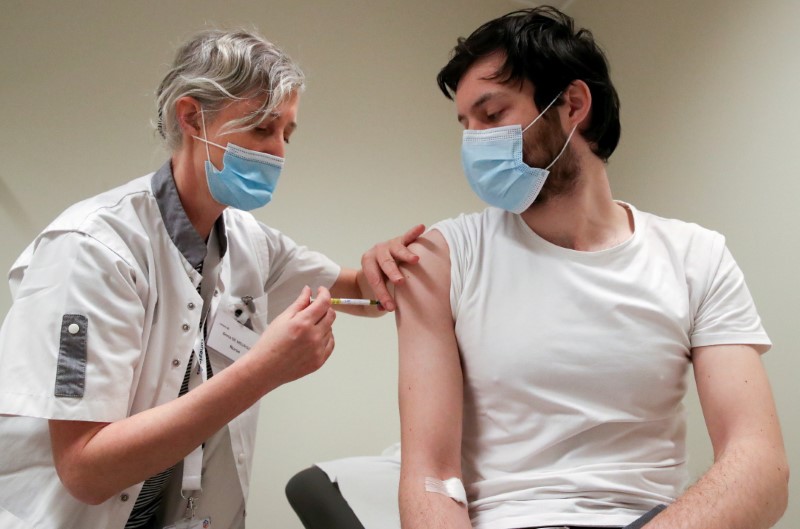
{"x": 111, "y": 259}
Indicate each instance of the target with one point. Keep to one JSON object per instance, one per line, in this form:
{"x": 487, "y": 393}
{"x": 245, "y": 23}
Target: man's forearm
{"x": 746, "y": 488}
{"x": 427, "y": 510}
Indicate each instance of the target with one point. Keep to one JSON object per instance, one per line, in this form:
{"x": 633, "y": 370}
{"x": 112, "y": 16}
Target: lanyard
{"x": 193, "y": 463}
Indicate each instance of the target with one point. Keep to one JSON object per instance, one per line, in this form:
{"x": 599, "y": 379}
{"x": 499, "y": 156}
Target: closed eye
{"x": 494, "y": 117}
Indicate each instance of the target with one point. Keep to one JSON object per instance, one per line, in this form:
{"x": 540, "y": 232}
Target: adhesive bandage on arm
{"x": 450, "y": 487}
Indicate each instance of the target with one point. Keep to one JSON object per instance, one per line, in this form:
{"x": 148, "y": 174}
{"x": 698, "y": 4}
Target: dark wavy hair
{"x": 542, "y": 46}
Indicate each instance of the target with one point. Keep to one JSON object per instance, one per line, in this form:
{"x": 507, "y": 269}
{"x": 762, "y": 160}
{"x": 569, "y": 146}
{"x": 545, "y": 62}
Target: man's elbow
{"x": 782, "y": 486}
{"x": 775, "y": 497}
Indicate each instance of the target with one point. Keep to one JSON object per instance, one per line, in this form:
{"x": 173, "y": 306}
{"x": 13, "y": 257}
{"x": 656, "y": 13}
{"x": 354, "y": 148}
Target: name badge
{"x": 229, "y": 337}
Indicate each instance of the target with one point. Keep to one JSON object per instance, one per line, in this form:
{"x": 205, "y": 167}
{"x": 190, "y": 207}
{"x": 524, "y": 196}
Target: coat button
{"x": 185, "y": 326}
{"x": 190, "y": 306}
{"x": 124, "y": 496}
{"x": 74, "y": 328}
{"x": 176, "y": 362}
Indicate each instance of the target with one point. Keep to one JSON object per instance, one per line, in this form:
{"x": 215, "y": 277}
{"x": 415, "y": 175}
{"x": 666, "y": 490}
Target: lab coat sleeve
{"x": 72, "y": 279}
{"x": 291, "y": 267}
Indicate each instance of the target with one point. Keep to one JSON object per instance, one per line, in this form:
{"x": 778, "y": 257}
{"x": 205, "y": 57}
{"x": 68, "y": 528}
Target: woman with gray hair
{"x": 147, "y": 322}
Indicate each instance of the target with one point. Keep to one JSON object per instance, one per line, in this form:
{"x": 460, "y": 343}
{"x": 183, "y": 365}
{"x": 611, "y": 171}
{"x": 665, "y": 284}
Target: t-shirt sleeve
{"x": 72, "y": 338}
{"x": 291, "y": 267}
{"x": 460, "y": 234}
{"x": 726, "y": 313}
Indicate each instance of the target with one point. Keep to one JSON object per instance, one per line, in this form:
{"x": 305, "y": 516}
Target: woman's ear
{"x": 188, "y": 112}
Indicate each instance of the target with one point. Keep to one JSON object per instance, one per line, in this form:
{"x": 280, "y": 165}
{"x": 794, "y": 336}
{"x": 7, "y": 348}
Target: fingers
{"x": 324, "y": 328}
{"x": 396, "y": 250}
{"x": 380, "y": 264}
{"x": 399, "y": 247}
{"x": 375, "y": 278}
{"x": 331, "y": 342}
{"x": 391, "y": 270}
{"x": 382, "y": 293}
{"x": 329, "y": 317}
{"x": 302, "y": 300}
{"x": 404, "y": 255}
{"x": 412, "y": 234}
{"x": 327, "y": 341}
{"x": 320, "y": 307}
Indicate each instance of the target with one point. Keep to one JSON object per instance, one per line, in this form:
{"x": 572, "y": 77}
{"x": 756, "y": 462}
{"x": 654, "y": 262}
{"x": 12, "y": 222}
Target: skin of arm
{"x": 430, "y": 389}
{"x": 95, "y": 461}
{"x": 747, "y": 485}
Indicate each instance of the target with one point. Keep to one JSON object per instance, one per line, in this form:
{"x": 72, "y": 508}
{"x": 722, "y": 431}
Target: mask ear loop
{"x": 206, "y": 140}
{"x": 543, "y": 111}
{"x": 564, "y": 148}
{"x": 205, "y": 134}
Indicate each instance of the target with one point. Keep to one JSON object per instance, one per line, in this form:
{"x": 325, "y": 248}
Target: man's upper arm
{"x": 430, "y": 386}
{"x": 736, "y": 397}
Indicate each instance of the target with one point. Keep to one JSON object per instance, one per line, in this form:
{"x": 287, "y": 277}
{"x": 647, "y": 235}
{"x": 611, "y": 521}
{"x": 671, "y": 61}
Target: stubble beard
{"x": 565, "y": 173}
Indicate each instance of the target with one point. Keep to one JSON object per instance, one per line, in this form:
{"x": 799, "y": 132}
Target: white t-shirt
{"x": 104, "y": 319}
{"x": 575, "y": 364}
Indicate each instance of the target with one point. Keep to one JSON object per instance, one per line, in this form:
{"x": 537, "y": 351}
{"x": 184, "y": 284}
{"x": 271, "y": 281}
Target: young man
{"x": 545, "y": 342}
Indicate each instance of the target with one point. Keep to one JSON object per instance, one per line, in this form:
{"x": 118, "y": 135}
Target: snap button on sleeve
{"x": 73, "y": 328}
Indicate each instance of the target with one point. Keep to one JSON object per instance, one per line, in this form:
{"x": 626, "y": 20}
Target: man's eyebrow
{"x": 478, "y": 102}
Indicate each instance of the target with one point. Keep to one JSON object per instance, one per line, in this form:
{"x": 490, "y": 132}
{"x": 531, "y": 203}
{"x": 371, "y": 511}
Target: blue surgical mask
{"x": 247, "y": 178}
{"x": 492, "y": 160}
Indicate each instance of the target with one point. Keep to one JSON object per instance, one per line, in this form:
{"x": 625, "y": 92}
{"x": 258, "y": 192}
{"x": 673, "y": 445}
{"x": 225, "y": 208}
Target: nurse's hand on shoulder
{"x": 379, "y": 263}
{"x": 300, "y": 339}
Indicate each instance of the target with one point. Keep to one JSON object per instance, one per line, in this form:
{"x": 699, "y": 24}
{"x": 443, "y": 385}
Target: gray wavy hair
{"x": 219, "y": 67}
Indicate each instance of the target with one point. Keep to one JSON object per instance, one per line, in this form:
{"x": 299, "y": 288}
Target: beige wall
{"x": 708, "y": 120}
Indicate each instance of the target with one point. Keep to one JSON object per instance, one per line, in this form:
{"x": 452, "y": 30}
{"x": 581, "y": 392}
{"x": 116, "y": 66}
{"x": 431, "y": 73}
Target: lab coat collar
{"x": 177, "y": 223}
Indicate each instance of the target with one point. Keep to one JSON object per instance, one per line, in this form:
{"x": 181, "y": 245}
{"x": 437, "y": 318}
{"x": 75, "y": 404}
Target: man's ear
{"x": 578, "y": 103}
{"x": 188, "y": 112}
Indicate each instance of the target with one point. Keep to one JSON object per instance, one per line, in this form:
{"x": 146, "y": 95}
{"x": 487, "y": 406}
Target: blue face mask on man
{"x": 492, "y": 160}
{"x": 247, "y": 178}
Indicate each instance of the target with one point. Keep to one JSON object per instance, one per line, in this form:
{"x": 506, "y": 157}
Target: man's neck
{"x": 587, "y": 218}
